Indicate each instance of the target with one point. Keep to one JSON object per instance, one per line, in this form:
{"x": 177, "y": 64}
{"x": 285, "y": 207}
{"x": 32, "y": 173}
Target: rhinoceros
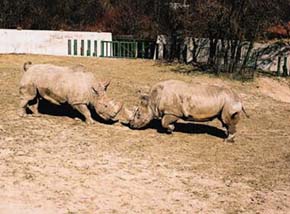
{"x": 173, "y": 99}
{"x": 73, "y": 85}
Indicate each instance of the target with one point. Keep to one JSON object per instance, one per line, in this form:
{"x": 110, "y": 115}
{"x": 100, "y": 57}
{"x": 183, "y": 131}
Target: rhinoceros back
{"x": 192, "y": 101}
{"x": 65, "y": 84}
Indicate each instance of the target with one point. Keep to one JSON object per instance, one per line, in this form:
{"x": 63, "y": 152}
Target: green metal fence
{"x": 75, "y": 47}
{"x": 146, "y": 49}
{"x": 82, "y": 47}
{"x": 69, "y": 51}
{"x": 89, "y": 48}
{"x": 95, "y": 48}
{"x": 119, "y": 49}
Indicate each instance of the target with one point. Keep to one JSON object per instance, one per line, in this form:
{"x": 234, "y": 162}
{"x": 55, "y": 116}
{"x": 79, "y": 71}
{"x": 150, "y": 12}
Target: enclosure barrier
{"x": 284, "y": 67}
{"x": 108, "y": 48}
{"x": 58, "y": 43}
{"x": 119, "y": 49}
{"x": 85, "y": 48}
{"x": 146, "y": 49}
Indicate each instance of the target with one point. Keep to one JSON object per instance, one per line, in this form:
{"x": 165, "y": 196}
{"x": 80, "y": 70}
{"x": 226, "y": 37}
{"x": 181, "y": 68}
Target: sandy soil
{"x": 55, "y": 164}
{"x": 278, "y": 90}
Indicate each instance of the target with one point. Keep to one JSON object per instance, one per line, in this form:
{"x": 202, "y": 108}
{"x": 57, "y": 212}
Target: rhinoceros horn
{"x": 127, "y": 115}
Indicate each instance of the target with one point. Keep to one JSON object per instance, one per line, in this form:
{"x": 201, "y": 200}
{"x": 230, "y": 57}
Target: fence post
{"x": 69, "y": 47}
{"x": 88, "y": 47}
{"x": 95, "y": 48}
{"x": 136, "y": 49}
{"x": 150, "y": 50}
{"x": 279, "y": 66}
{"x": 119, "y": 45}
{"x": 107, "y": 53}
{"x": 128, "y": 50}
{"x": 75, "y": 47}
{"x": 82, "y": 47}
{"x": 143, "y": 49}
{"x": 102, "y": 48}
{"x": 114, "y": 49}
{"x": 285, "y": 71}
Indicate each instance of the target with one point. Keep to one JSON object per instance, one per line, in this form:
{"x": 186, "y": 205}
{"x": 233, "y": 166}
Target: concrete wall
{"x": 49, "y": 42}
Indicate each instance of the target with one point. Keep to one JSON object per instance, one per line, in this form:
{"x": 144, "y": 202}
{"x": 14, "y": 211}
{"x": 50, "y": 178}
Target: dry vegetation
{"x": 55, "y": 164}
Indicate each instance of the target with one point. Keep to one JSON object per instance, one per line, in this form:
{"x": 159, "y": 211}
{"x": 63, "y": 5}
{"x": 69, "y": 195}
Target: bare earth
{"x": 56, "y": 164}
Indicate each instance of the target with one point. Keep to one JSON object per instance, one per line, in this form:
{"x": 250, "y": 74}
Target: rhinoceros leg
{"x": 27, "y": 94}
{"x": 230, "y": 125}
{"x": 34, "y": 108}
{"x": 82, "y": 108}
{"x": 167, "y": 122}
{"x": 23, "y": 105}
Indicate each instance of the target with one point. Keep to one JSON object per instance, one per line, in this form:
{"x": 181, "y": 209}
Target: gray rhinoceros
{"x": 73, "y": 85}
{"x": 173, "y": 99}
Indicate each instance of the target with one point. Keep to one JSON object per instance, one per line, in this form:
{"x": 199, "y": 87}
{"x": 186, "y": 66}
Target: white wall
{"x": 48, "y": 42}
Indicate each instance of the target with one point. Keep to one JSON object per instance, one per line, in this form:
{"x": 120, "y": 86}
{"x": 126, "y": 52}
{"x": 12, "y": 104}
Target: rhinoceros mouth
{"x": 135, "y": 126}
{"x": 113, "y": 117}
{"x": 119, "y": 110}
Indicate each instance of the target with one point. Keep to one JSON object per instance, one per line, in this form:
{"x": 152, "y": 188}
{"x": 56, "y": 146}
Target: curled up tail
{"x": 27, "y": 65}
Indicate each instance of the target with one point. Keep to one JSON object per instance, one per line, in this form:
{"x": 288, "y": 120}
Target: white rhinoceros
{"x": 173, "y": 99}
{"x": 73, "y": 85}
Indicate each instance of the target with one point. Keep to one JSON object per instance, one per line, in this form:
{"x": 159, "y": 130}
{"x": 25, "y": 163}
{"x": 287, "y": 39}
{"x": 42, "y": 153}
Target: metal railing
{"x": 114, "y": 49}
{"x": 85, "y": 48}
{"x": 119, "y": 49}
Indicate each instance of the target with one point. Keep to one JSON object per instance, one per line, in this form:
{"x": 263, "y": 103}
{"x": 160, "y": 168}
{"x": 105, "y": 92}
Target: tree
{"x": 230, "y": 25}
{"x": 236, "y": 24}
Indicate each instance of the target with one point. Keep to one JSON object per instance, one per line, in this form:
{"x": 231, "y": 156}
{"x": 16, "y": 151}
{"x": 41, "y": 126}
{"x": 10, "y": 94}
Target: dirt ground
{"x": 56, "y": 164}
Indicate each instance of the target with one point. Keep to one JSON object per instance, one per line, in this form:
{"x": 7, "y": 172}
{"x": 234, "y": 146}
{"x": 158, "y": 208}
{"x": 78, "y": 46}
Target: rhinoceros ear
{"x": 144, "y": 100}
{"x": 105, "y": 84}
{"x": 95, "y": 91}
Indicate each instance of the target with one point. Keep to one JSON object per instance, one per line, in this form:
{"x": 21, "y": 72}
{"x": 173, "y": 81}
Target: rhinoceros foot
{"x": 230, "y": 138}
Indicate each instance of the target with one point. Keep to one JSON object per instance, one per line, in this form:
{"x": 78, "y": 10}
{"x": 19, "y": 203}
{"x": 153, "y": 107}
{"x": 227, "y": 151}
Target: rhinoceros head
{"x": 142, "y": 114}
{"x": 105, "y": 107}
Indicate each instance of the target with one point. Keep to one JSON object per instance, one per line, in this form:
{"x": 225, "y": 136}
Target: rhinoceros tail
{"x": 245, "y": 112}
{"x": 27, "y": 65}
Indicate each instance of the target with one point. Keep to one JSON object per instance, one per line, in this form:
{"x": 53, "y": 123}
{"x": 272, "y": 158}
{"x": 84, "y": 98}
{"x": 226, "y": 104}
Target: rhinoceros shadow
{"x": 66, "y": 110}
{"x": 190, "y": 128}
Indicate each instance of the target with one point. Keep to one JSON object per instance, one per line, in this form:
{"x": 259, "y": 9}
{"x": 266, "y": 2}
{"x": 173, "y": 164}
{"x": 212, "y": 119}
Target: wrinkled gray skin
{"x": 172, "y": 100}
{"x": 73, "y": 85}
